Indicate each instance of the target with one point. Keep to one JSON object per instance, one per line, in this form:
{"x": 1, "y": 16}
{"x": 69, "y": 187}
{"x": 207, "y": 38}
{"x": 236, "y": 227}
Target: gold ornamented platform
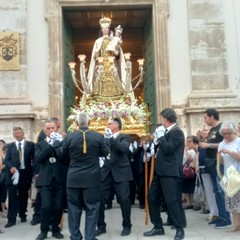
{"x": 134, "y": 116}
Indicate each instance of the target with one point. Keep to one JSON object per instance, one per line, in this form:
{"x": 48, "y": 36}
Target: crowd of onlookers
{"x": 217, "y": 142}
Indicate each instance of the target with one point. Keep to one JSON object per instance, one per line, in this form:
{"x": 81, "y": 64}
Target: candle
{"x": 72, "y": 65}
{"x": 140, "y": 62}
{"x": 127, "y": 56}
{"x": 82, "y": 57}
{"x": 111, "y": 59}
{"x": 100, "y": 60}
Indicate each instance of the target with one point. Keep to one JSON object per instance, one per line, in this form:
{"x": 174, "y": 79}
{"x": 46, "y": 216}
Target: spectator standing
{"x": 3, "y": 190}
{"x": 190, "y": 156}
{"x": 206, "y": 178}
{"x": 211, "y": 118}
{"x": 238, "y": 130}
{"x": 229, "y": 150}
{"x": 18, "y": 160}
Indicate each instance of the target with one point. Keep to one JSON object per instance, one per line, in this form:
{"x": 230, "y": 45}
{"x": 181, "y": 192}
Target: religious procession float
{"x": 107, "y": 87}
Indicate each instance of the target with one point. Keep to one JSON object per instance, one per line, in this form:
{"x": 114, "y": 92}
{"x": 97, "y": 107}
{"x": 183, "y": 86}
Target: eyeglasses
{"x": 227, "y": 133}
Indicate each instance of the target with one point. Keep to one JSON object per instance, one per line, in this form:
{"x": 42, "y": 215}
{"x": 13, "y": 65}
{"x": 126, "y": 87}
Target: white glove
{"x": 152, "y": 150}
{"x": 159, "y": 132}
{"x": 15, "y": 178}
{"x": 131, "y": 147}
{"x": 101, "y": 161}
{"x": 145, "y": 146}
{"x": 108, "y": 133}
{"x": 147, "y": 157}
{"x": 135, "y": 144}
{"x": 54, "y": 136}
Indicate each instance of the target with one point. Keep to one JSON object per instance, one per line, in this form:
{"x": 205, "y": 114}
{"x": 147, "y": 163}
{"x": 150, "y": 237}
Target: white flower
{"x": 109, "y": 109}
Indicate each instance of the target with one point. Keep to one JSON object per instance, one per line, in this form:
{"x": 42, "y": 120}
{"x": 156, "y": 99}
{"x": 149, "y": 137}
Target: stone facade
{"x": 195, "y": 66}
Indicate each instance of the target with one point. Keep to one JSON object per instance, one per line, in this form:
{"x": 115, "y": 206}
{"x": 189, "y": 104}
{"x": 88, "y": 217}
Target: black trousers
{"x": 171, "y": 188}
{"x": 77, "y": 198}
{"x": 37, "y": 207}
{"x": 122, "y": 191}
{"x": 52, "y": 205}
{"x": 18, "y": 197}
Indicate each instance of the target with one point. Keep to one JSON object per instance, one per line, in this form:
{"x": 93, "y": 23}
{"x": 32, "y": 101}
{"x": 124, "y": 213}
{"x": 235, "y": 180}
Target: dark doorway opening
{"x": 81, "y": 29}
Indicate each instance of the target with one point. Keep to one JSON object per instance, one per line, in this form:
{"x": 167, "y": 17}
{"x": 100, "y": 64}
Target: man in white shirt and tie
{"x": 18, "y": 160}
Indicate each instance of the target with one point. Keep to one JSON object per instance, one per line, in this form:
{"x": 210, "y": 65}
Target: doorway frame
{"x": 54, "y": 17}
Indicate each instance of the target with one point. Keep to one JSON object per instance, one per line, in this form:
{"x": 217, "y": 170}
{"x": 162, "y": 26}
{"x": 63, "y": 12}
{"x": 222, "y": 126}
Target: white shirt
{"x": 22, "y": 164}
{"x": 228, "y": 160}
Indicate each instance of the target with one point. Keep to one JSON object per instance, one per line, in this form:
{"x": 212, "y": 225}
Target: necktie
{"x": 165, "y": 131}
{"x": 20, "y": 150}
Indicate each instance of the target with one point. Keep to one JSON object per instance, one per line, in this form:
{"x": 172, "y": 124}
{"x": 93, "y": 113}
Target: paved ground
{"x": 197, "y": 228}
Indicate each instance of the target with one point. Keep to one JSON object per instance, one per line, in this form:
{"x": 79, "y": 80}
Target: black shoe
{"x": 57, "y": 235}
{"x": 188, "y": 207}
{"x": 100, "y": 231}
{"x": 167, "y": 224}
{"x": 35, "y": 221}
{"x": 108, "y": 206}
{"x": 24, "y": 219}
{"x": 126, "y": 231}
{"x": 41, "y": 236}
{"x": 154, "y": 231}
{"x": 10, "y": 224}
{"x": 179, "y": 234}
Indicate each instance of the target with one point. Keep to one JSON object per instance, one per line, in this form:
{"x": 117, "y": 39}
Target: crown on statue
{"x": 105, "y": 22}
{"x": 119, "y": 28}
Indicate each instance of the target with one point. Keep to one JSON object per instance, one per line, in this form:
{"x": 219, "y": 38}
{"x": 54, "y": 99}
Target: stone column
{"x": 162, "y": 81}
{"x": 53, "y": 16}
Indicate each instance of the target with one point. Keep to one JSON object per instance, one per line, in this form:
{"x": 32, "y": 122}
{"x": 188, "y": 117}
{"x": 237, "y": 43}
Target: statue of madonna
{"x": 106, "y": 75}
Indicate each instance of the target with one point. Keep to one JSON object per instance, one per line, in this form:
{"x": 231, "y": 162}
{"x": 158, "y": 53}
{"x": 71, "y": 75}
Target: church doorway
{"x": 72, "y": 30}
{"x": 81, "y": 29}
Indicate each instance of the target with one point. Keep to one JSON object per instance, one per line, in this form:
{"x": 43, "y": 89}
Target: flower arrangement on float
{"x": 128, "y": 110}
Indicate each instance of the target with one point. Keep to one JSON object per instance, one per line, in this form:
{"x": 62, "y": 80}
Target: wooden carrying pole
{"x": 151, "y": 170}
{"x": 146, "y": 190}
{"x": 147, "y": 186}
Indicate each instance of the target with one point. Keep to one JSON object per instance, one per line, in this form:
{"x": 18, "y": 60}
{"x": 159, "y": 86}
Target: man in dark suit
{"x": 19, "y": 159}
{"x": 51, "y": 181}
{"x": 168, "y": 177}
{"x": 83, "y": 149}
{"x": 36, "y": 218}
{"x": 116, "y": 173}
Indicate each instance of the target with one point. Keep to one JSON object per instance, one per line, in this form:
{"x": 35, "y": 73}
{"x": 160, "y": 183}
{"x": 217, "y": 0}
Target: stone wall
{"x": 192, "y": 42}
{"x": 18, "y": 88}
{"x": 209, "y": 65}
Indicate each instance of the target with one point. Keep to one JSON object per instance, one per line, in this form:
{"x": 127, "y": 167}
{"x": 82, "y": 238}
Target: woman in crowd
{"x": 207, "y": 182}
{"x": 190, "y": 157}
{"x": 229, "y": 155}
{"x": 238, "y": 130}
{"x": 3, "y": 191}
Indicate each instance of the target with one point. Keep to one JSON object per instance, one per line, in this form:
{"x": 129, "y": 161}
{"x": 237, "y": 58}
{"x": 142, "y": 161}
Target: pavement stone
{"x": 197, "y": 227}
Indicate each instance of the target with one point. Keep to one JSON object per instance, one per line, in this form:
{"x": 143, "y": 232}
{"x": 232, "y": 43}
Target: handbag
{"x": 188, "y": 171}
{"x": 210, "y": 165}
{"x": 199, "y": 194}
{"x": 230, "y": 182}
